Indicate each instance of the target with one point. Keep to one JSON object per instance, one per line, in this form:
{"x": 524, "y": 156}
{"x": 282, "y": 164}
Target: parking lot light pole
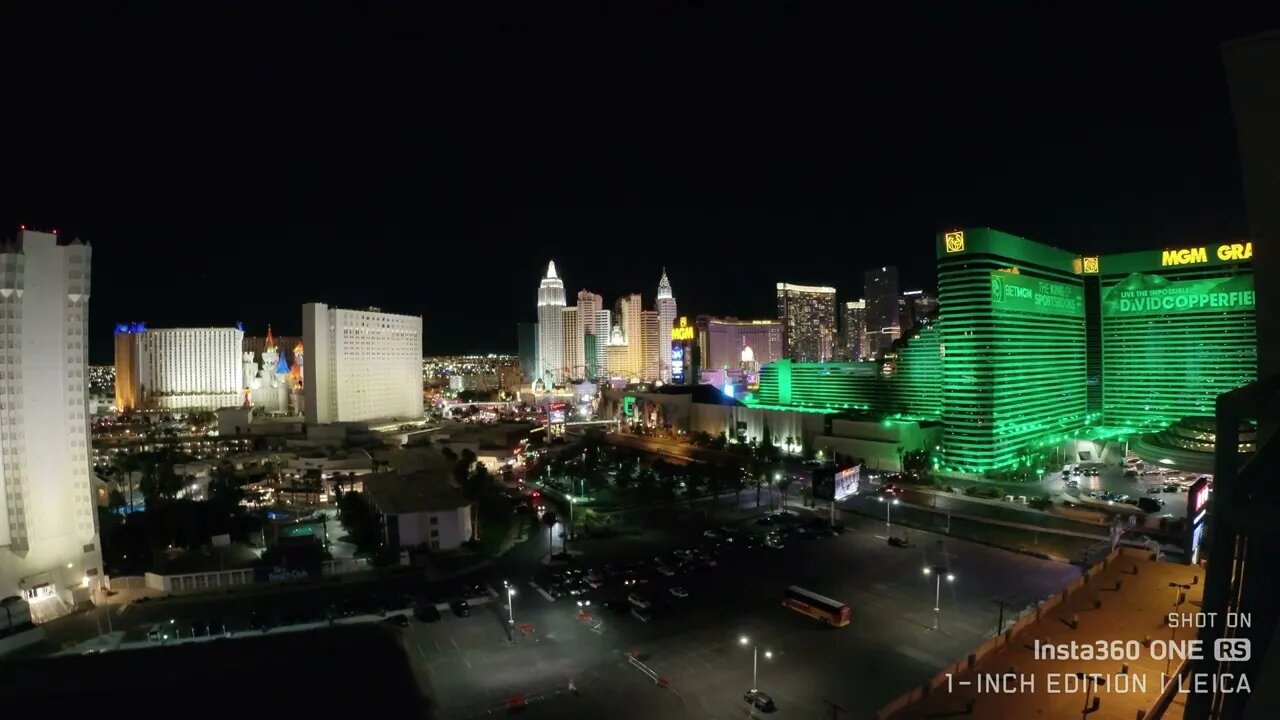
{"x": 939, "y": 573}
{"x": 887, "y": 505}
{"x": 572, "y": 501}
{"x": 511, "y": 612}
{"x": 755, "y": 660}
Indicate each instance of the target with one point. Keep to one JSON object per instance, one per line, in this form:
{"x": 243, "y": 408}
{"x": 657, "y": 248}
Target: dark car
{"x": 759, "y": 700}
{"x": 895, "y": 541}
{"x": 460, "y": 608}
{"x": 617, "y": 607}
{"x": 426, "y": 612}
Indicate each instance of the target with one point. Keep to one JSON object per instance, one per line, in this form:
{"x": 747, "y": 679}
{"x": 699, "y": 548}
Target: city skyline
{"x": 305, "y": 205}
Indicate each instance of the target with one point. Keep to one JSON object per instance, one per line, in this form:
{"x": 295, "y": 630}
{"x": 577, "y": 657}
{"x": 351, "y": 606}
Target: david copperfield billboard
{"x": 1152, "y": 294}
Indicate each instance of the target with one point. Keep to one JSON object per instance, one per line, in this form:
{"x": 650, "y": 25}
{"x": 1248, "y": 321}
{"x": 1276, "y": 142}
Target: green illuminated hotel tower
{"x": 1177, "y": 331}
{"x": 1012, "y": 325}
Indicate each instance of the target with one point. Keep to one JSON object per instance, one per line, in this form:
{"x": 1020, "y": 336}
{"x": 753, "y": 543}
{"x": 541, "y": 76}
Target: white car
{"x": 679, "y": 592}
{"x": 773, "y": 543}
{"x": 666, "y": 571}
{"x": 713, "y": 534}
{"x": 683, "y": 554}
{"x": 639, "y": 600}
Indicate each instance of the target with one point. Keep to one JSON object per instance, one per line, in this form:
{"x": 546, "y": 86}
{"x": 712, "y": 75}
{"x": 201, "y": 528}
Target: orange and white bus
{"x": 817, "y": 606}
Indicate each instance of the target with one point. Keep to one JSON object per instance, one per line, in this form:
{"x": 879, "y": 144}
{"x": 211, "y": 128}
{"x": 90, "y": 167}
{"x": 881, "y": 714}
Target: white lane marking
{"x": 455, "y": 644}
{"x": 438, "y": 648}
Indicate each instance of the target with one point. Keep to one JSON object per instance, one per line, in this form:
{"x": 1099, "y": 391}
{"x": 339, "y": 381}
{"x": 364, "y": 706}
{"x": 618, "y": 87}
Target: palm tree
{"x": 783, "y": 485}
{"x": 549, "y": 519}
{"x": 695, "y": 483}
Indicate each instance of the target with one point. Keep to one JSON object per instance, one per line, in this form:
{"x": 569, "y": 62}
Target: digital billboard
{"x": 1197, "y": 516}
{"x": 831, "y": 484}
{"x": 1141, "y": 294}
{"x": 1018, "y": 293}
{"x": 557, "y": 415}
{"x": 677, "y": 363}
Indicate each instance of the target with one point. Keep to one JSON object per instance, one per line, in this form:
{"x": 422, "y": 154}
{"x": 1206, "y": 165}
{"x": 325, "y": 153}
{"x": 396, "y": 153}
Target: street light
{"x": 938, "y": 573}
{"x": 887, "y": 504}
{"x": 511, "y": 612}
{"x": 572, "y": 501}
{"x": 755, "y": 660}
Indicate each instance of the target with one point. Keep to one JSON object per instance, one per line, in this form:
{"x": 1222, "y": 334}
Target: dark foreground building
{"x": 343, "y": 671}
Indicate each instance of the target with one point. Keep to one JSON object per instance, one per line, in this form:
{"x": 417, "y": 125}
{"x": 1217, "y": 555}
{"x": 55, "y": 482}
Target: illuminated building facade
{"x": 1012, "y": 325}
{"x": 883, "y": 323}
{"x": 1177, "y": 330}
{"x": 666, "y": 307}
{"x": 853, "y": 330}
{"x": 575, "y": 354}
{"x": 808, "y": 316}
{"x": 551, "y": 305}
{"x": 627, "y": 319}
{"x": 361, "y": 365}
{"x": 651, "y": 344}
{"x": 725, "y": 339}
{"x": 48, "y": 519}
{"x": 178, "y": 368}
{"x": 916, "y": 307}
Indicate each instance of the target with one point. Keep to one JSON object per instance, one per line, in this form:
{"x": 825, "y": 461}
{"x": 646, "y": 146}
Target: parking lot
{"x": 694, "y": 642}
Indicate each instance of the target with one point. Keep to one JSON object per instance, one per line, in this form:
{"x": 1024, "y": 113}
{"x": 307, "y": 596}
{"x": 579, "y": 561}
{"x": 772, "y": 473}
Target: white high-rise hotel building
{"x": 178, "y": 368}
{"x": 48, "y": 522}
{"x": 361, "y": 365}
{"x": 666, "y": 307}
{"x": 551, "y": 303}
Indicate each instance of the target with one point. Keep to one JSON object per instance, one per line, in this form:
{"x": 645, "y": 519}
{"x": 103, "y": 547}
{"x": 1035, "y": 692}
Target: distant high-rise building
{"x": 527, "y": 348}
{"x": 48, "y": 518}
{"x": 627, "y": 310}
{"x": 916, "y": 307}
{"x": 591, "y": 351}
{"x": 808, "y": 316}
{"x": 651, "y": 346}
{"x": 550, "y": 327}
{"x": 604, "y": 328}
{"x": 853, "y": 330}
{"x": 883, "y": 324}
{"x": 178, "y": 368}
{"x": 725, "y": 339}
{"x": 575, "y": 358}
{"x": 361, "y": 365}
{"x": 666, "y": 307}
{"x": 589, "y": 307}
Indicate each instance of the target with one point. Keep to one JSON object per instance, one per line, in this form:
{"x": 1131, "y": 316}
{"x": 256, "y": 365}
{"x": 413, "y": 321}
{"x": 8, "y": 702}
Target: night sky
{"x": 232, "y": 166}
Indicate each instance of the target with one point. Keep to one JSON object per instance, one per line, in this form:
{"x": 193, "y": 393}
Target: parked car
{"x": 895, "y": 541}
{"x": 617, "y": 607}
{"x": 667, "y": 571}
{"x": 759, "y": 701}
{"x": 679, "y": 592}
{"x": 397, "y": 620}
{"x": 461, "y": 608}
{"x": 639, "y": 600}
{"x": 713, "y": 534}
{"x": 642, "y": 614}
{"x": 426, "y": 612}
{"x": 773, "y": 542}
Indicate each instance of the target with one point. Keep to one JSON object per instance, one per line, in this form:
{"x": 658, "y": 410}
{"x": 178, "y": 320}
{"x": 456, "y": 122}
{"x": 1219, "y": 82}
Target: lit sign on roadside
{"x": 1195, "y": 256}
{"x": 683, "y": 331}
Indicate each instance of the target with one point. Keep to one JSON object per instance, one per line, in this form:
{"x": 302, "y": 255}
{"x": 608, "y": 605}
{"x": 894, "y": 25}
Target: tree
{"x": 695, "y": 484}
{"x": 767, "y": 451}
{"x": 719, "y": 441}
{"x": 807, "y": 450}
{"x": 783, "y": 485}
{"x": 549, "y": 520}
{"x": 699, "y": 438}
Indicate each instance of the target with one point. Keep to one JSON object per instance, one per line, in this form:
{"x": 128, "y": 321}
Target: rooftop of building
{"x": 429, "y": 490}
{"x": 1128, "y": 598}
{"x": 220, "y": 678}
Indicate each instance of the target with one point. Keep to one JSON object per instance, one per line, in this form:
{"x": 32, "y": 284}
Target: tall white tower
{"x": 48, "y": 520}
{"x": 550, "y": 326}
{"x": 666, "y": 307}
